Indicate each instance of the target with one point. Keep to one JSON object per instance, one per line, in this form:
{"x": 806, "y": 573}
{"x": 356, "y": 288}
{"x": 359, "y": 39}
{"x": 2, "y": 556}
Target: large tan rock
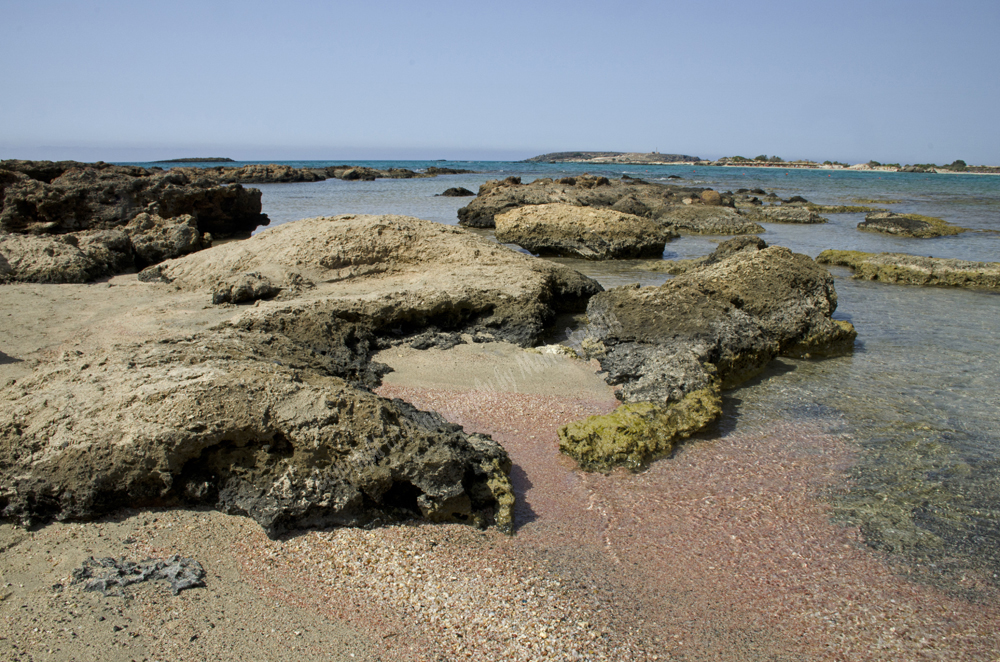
{"x": 592, "y": 234}
{"x": 265, "y": 409}
{"x": 222, "y": 420}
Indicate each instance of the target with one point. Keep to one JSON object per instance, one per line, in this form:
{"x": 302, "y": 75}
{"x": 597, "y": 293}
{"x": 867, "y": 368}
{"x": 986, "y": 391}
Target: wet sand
{"x": 723, "y": 552}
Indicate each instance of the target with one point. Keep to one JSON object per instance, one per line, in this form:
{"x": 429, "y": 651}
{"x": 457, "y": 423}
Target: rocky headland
{"x": 651, "y": 158}
{"x": 916, "y": 270}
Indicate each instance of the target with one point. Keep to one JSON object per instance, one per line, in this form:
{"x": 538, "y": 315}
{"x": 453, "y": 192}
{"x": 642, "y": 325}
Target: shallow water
{"x": 919, "y": 394}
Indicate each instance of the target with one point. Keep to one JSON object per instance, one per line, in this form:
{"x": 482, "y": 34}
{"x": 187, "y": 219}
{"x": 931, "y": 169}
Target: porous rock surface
{"x": 269, "y": 412}
{"x": 787, "y": 214}
{"x": 629, "y": 195}
{"x": 916, "y": 270}
{"x": 566, "y": 230}
{"x": 708, "y": 219}
{"x": 76, "y": 222}
{"x": 401, "y": 275}
{"x": 215, "y": 420}
{"x": 711, "y": 328}
{"x": 908, "y": 225}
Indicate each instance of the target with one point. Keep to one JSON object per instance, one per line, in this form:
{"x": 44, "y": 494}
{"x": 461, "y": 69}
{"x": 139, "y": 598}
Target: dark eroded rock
{"x": 119, "y": 218}
{"x": 711, "y": 328}
{"x": 221, "y": 420}
{"x": 111, "y": 576}
{"x": 457, "y": 192}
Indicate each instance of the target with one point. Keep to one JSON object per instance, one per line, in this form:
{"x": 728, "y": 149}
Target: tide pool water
{"x": 919, "y": 395}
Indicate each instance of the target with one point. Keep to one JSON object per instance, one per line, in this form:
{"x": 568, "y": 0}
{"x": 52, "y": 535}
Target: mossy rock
{"x": 843, "y": 209}
{"x": 909, "y": 225}
{"x": 901, "y": 268}
{"x": 637, "y": 433}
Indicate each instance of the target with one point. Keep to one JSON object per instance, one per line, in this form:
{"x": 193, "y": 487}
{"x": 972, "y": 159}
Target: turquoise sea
{"x": 920, "y": 394}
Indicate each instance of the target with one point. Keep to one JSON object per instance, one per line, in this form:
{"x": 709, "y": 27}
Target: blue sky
{"x": 908, "y": 82}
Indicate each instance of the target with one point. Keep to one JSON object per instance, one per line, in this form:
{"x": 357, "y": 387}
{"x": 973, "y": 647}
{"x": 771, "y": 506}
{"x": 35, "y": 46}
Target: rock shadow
{"x": 5, "y": 359}
{"x": 523, "y": 512}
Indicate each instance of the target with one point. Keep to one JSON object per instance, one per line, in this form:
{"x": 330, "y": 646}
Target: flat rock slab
{"x": 705, "y": 219}
{"x": 916, "y": 270}
{"x": 908, "y": 225}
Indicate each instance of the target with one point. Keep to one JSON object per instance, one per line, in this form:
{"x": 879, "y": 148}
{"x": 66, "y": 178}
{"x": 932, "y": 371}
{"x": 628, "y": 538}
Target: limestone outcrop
{"x": 217, "y": 420}
{"x": 565, "y": 230}
{"x": 629, "y": 195}
{"x": 916, "y": 270}
{"x": 711, "y": 328}
{"x": 72, "y": 222}
{"x": 707, "y": 219}
{"x": 787, "y": 214}
{"x": 268, "y": 413}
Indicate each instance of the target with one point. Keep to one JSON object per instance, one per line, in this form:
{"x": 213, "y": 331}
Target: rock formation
{"x": 786, "y": 214}
{"x": 916, "y": 270}
{"x": 706, "y": 219}
{"x": 269, "y": 412}
{"x": 592, "y": 234}
{"x": 632, "y": 196}
{"x": 72, "y": 222}
{"x": 457, "y": 192}
{"x": 715, "y": 326}
{"x": 908, "y": 225}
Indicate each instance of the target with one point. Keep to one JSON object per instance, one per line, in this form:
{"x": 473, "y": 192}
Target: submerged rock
{"x": 916, "y": 270}
{"x": 592, "y": 234}
{"x": 712, "y": 328}
{"x": 634, "y": 433}
{"x": 908, "y": 225}
{"x": 699, "y": 219}
{"x": 787, "y": 214}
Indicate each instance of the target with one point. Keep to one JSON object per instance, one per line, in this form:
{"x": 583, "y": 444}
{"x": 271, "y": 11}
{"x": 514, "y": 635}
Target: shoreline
{"x": 725, "y": 551}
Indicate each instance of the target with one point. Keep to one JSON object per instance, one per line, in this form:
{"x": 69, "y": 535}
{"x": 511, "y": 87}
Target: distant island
{"x": 653, "y": 158}
{"x": 762, "y": 161}
{"x": 199, "y": 159}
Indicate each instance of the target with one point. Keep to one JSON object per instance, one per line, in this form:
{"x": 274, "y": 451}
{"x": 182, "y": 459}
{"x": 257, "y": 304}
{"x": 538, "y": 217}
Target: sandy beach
{"x": 723, "y": 552}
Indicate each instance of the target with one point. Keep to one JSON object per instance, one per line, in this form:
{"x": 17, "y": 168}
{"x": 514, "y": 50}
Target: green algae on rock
{"x": 909, "y": 225}
{"x": 916, "y": 270}
{"x": 846, "y": 209}
{"x": 636, "y": 433}
{"x": 713, "y": 327}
